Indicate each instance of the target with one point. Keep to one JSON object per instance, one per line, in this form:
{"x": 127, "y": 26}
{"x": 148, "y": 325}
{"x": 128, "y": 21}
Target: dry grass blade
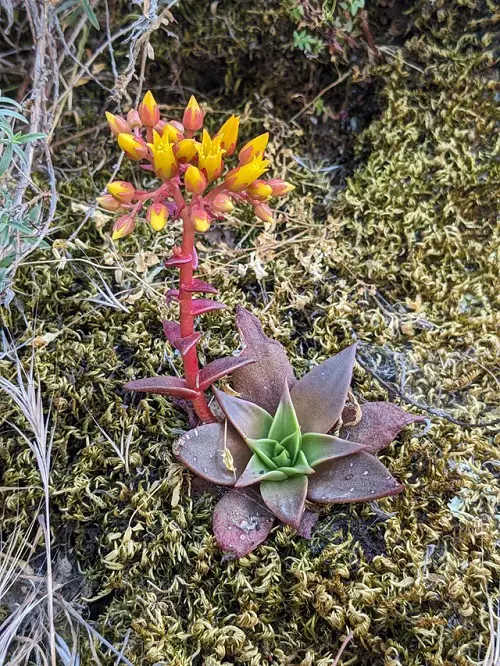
{"x": 492, "y": 657}
{"x": 26, "y": 394}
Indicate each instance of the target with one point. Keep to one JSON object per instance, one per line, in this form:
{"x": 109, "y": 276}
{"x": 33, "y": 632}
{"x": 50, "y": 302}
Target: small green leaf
{"x": 90, "y": 14}
{"x": 256, "y": 471}
{"x": 264, "y": 449}
{"x": 282, "y": 460}
{"x": 285, "y": 420}
{"x": 6, "y": 159}
{"x": 292, "y": 444}
{"x": 318, "y": 448}
{"x": 301, "y": 467}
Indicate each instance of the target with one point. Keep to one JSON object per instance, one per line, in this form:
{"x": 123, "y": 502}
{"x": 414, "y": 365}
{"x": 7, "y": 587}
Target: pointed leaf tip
{"x": 241, "y": 522}
{"x": 261, "y": 382}
{"x": 200, "y": 306}
{"x": 380, "y": 424}
{"x": 173, "y": 386}
{"x": 286, "y": 499}
{"x": 251, "y": 421}
{"x": 220, "y": 368}
{"x": 319, "y": 397}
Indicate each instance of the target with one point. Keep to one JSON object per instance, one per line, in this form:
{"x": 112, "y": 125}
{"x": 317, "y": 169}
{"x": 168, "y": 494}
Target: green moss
{"x": 405, "y": 261}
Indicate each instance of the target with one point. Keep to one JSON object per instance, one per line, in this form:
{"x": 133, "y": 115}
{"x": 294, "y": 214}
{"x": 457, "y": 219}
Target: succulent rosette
{"x": 287, "y": 441}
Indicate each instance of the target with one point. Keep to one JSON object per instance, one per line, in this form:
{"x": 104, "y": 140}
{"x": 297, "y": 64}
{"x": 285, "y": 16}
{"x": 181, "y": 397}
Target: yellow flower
{"x": 229, "y": 133}
{"x": 132, "y": 147}
{"x": 121, "y": 191}
{"x": 164, "y": 161}
{"x": 201, "y": 220}
{"x": 149, "y": 111}
{"x": 117, "y": 124}
{"x": 123, "y": 227}
{"x": 260, "y": 190}
{"x": 254, "y": 148}
{"x": 157, "y": 216}
{"x": 193, "y": 115}
{"x": 194, "y": 181}
{"x": 173, "y": 133}
{"x": 185, "y": 150}
{"x": 210, "y": 156}
{"x": 240, "y": 178}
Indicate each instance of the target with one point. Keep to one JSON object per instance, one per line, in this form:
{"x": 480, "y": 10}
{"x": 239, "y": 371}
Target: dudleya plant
{"x": 196, "y": 187}
{"x": 295, "y": 440}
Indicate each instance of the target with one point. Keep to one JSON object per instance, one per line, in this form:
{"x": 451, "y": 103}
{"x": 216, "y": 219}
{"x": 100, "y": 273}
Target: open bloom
{"x": 241, "y": 177}
{"x": 292, "y": 439}
{"x": 164, "y": 161}
{"x": 229, "y": 134}
{"x": 210, "y": 156}
{"x": 254, "y": 148}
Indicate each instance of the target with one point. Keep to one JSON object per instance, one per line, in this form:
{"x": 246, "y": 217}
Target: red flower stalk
{"x": 189, "y": 168}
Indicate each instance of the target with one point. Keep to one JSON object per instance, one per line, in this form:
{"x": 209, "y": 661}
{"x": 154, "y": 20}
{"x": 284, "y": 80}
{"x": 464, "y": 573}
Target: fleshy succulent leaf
{"x": 301, "y": 467}
{"x": 219, "y": 368}
{"x": 380, "y": 424}
{"x": 292, "y": 444}
{"x": 318, "y": 448}
{"x": 201, "y": 306}
{"x": 357, "y": 478}
{"x": 241, "y": 522}
{"x": 307, "y": 524}
{"x": 320, "y": 395}
{"x": 257, "y": 471}
{"x": 285, "y": 420}
{"x": 261, "y": 382}
{"x": 173, "y": 386}
{"x": 250, "y": 420}
{"x": 203, "y": 449}
{"x": 199, "y": 286}
{"x": 263, "y": 449}
{"x": 286, "y": 499}
{"x": 282, "y": 459}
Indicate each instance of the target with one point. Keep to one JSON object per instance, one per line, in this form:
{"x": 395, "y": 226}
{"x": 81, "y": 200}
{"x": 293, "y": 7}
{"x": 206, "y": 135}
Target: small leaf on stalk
{"x": 199, "y": 286}
{"x": 173, "y": 386}
{"x": 176, "y": 260}
{"x": 201, "y": 305}
{"x": 220, "y": 368}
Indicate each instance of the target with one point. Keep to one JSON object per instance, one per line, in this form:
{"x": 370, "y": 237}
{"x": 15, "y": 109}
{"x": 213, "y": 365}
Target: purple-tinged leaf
{"x": 250, "y": 420}
{"x": 241, "y": 522}
{"x": 319, "y": 397}
{"x": 178, "y": 260}
{"x": 307, "y": 524}
{"x": 173, "y": 386}
{"x": 286, "y": 499}
{"x": 171, "y": 295}
{"x": 201, "y": 305}
{"x": 220, "y": 368}
{"x": 172, "y": 332}
{"x": 199, "y": 286}
{"x": 257, "y": 471}
{"x": 195, "y": 259}
{"x": 262, "y": 382}
{"x": 380, "y": 424}
{"x": 357, "y": 478}
{"x": 203, "y": 450}
{"x": 319, "y": 448}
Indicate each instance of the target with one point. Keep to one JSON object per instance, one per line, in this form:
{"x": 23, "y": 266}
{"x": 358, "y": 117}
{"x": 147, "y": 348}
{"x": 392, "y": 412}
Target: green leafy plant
{"x": 18, "y": 223}
{"x": 306, "y": 42}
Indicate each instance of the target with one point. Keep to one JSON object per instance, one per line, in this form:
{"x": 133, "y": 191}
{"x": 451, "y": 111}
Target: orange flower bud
{"x": 240, "y": 178}
{"x": 280, "y": 187}
{"x": 122, "y": 191}
{"x": 117, "y": 124}
{"x": 194, "y": 181}
{"x": 123, "y": 227}
{"x": 260, "y": 190}
{"x": 134, "y": 119}
{"x": 229, "y": 133}
{"x": 108, "y": 202}
{"x": 263, "y": 212}
{"x": 132, "y": 147}
{"x": 193, "y": 116}
{"x": 157, "y": 216}
{"x": 185, "y": 150}
{"x": 254, "y": 148}
{"x": 201, "y": 220}
{"x": 222, "y": 203}
{"x": 149, "y": 111}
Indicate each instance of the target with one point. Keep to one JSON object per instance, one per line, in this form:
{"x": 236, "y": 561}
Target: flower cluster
{"x": 187, "y": 159}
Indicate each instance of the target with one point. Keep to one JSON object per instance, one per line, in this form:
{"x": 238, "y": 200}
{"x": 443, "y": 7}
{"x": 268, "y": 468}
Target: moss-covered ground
{"x": 404, "y": 258}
